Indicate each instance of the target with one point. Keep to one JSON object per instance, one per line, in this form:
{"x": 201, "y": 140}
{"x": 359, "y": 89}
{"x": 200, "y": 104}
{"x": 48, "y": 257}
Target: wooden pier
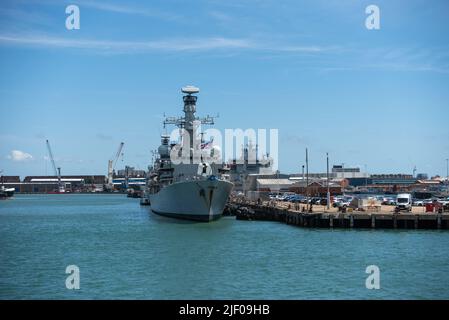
{"x": 355, "y": 219}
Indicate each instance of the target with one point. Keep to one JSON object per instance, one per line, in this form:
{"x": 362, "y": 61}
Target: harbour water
{"x": 125, "y": 252}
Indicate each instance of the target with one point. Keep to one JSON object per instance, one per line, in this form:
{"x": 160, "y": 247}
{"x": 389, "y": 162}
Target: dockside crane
{"x": 57, "y": 170}
{"x": 111, "y": 166}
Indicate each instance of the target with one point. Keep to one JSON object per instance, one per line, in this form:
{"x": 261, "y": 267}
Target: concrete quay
{"x": 294, "y": 215}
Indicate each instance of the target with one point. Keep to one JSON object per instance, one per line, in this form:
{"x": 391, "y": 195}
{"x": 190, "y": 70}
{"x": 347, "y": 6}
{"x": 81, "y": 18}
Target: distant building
{"x": 131, "y": 172}
{"x": 359, "y": 182}
{"x": 354, "y": 175}
{"x": 10, "y": 179}
{"x": 429, "y": 182}
{"x": 406, "y": 183}
{"x": 274, "y": 185}
{"x": 318, "y": 188}
{"x": 339, "y": 171}
{"x": 88, "y": 179}
{"x": 121, "y": 182}
{"x": 43, "y": 184}
{"x": 422, "y": 176}
{"x": 393, "y": 179}
{"x": 249, "y": 182}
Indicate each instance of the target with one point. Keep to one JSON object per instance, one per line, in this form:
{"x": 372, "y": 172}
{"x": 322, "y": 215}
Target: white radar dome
{"x": 190, "y": 89}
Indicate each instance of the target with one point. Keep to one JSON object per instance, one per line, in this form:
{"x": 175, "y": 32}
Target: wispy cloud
{"x": 331, "y": 58}
{"x": 126, "y": 46}
{"x": 19, "y": 156}
{"x": 398, "y": 59}
{"x": 220, "y": 16}
{"x": 305, "y": 49}
{"x": 126, "y": 9}
{"x": 64, "y": 159}
{"x": 122, "y": 47}
{"x": 22, "y": 16}
{"x": 103, "y": 136}
{"x": 388, "y": 67}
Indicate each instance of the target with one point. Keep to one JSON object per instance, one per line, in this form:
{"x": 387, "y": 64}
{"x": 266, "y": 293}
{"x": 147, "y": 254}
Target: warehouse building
{"x": 45, "y": 184}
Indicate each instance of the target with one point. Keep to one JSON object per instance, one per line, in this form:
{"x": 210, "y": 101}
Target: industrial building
{"x": 73, "y": 183}
{"x": 129, "y": 182}
{"x": 131, "y": 172}
{"x": 57, "y": 183}
{"x": 338, "y": 172}
{"x": 274, "y": 185}
{"x": 45, "y": 184}
{"x": 392, "y": 179}
{"x": 318, "y": 188}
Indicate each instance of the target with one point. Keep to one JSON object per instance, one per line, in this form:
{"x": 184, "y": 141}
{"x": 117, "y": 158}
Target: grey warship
{"x": 194, "y": 189}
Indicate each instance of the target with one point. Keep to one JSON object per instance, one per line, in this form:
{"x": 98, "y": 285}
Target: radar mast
{"x": 190, "y": 119}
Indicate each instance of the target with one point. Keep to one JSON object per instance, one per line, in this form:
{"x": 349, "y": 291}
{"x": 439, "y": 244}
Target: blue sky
{"x": 309, "y": 68}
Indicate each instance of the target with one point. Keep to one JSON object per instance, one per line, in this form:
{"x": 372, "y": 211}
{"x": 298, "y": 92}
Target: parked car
{"x": 292, "y": 198}
{"x": 389, "y": 201}
{"x": 323, "y": 201}
{"x": 314, "y": 200}
{"x": 280, "y": 197}
{"x": 344, "y": 202}
{"x": 336, "y": 200}
{"x": 418, "y": 203}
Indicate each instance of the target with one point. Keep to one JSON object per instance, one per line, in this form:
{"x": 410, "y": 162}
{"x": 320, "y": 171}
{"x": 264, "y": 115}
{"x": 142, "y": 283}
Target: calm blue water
{"x": 125, "y": 252}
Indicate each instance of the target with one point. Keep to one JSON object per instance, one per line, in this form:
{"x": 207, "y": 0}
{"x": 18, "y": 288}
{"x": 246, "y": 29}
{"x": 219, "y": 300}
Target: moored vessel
{"x": 5, "y": 193}
{"x": 188, "y": 178}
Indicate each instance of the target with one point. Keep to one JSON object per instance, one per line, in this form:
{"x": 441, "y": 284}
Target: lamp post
{"x": 343, "y": 177}
{"x": 447, "y": 171}
{"x": 307, "y": 178}
{"x": 366, "y": 178}
{"x": 328, "y": 190}
{"x": 303, "y": 178}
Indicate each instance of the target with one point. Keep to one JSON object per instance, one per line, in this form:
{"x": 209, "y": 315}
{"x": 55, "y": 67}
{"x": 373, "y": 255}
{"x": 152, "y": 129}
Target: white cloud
{"x": 129, "y": 10}
{"x": 126, "y": 46}
{"x": 17, "y": 155}
{"x": 173, "y": 45}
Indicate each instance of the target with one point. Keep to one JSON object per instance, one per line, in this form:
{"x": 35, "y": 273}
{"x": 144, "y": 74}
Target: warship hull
{"x": 202, "y": 200}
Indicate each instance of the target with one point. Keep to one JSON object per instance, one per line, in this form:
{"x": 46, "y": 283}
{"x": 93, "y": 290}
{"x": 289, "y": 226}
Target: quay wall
{"x": 355, "y": 219}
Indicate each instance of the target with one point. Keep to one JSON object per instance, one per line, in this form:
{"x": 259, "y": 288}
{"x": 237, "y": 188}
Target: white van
{"x": 404, "y": 202}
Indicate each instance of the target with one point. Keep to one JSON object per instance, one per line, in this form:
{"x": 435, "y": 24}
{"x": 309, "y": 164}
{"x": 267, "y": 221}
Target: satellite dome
{"x": 190, "y": 89}
{"x": 164, "y": 151}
